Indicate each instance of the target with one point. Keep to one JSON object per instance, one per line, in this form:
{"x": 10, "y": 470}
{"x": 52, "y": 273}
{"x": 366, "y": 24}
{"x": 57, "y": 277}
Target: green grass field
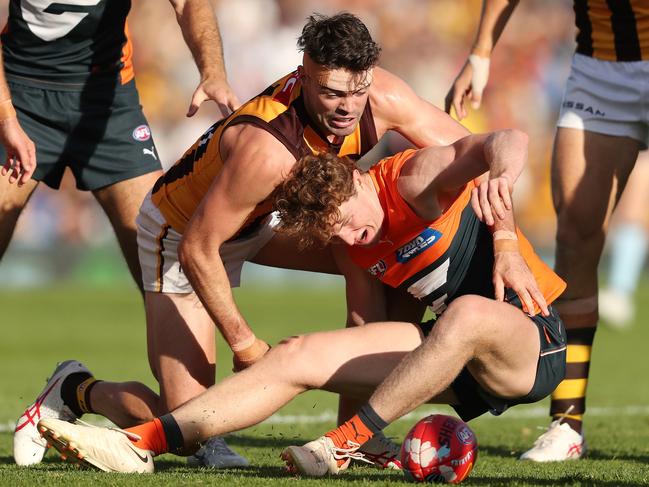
{"x": 103, "y": 327}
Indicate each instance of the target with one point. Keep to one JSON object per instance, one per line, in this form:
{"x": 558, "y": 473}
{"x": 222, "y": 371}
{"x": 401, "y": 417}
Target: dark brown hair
{"x": 339, "y": 41}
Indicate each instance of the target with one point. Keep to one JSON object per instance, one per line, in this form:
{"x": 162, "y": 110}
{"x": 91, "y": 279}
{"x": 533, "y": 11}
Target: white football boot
{"x": 107, "y": 449}
{"x": 559, "y": 443}
{"x": 215, "y": 453}
{"x": 616, "y": 309}
{"x": 29, "y": 447}
{"x": 320, "y": 457}
{"x": 382, "y": 452}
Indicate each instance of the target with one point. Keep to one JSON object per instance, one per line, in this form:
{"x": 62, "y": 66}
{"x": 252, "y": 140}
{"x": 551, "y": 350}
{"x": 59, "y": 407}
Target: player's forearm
{"x": 505, "y": 152}
{"x": 6, "y": 106}
{"x": 201, "y": 33}
{"x": 494, "y": 18}
{"x": 209, "y": 280}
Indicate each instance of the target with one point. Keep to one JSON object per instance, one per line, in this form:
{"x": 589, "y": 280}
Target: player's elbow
{"x": 516, "y": 137}
{"x": 190, "y": 252}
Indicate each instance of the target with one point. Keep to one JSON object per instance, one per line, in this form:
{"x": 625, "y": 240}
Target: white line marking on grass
{"x": 329, "y": 416}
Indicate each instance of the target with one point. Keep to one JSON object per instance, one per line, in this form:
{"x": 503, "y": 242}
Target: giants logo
{"x": 378, "y": 269}
{"x": 417, "y": 245}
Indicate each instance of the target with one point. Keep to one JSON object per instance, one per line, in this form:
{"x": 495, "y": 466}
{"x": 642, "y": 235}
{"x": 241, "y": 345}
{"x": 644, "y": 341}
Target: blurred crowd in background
{"x": 423, "y": 41}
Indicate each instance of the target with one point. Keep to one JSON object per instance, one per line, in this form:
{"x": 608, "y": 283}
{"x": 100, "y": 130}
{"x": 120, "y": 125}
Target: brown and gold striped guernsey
{"x": 279, "y": 110}
{"x": 613, "y": 30}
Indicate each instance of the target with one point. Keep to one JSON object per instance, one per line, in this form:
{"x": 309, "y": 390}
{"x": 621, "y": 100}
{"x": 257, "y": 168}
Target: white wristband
{"x": 480, "y": 75}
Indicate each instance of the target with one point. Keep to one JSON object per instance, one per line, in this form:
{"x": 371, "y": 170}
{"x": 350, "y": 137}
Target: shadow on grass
{"x": 629, "y": 457}
{"x": 278, "y": 472}
{"x": 567, "y": 480}
{"x": 269, "y": 441}
{"x": 6, "y": 460}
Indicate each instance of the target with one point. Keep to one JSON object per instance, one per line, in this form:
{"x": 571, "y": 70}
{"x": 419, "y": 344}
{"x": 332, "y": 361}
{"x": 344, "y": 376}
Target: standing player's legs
{"x": 589, "y": 172}
{"x": 13, "y": 199}
{"x": 629, "y": 238}
{"x": 121, "y": 202}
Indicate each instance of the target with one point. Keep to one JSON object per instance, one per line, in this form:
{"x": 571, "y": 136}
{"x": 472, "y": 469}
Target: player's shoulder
{"x": 253, "y": 147}
{"x": 391, "y": 97}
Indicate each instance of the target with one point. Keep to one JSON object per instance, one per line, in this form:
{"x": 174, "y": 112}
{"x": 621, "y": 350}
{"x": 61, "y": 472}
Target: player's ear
{"x": 356, "y": 175}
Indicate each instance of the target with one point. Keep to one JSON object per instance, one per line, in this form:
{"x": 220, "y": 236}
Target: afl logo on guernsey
{"x": 417, "y": 245}
{"x": 378, "y": 269}
{"x": 142, "y": 133}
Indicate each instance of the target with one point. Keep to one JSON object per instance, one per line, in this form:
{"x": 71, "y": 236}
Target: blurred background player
{"x": 67, "y": 85}
{"x": 627, "y": 248}
{"x": 601, "y": 129}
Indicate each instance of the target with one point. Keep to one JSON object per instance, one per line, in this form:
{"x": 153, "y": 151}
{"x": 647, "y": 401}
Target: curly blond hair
{"x": 308, "y": 201}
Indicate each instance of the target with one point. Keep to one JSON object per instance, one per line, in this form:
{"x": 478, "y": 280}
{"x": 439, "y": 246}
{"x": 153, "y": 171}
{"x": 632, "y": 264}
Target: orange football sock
{"x": 152, "y": 436}
{"x": 353, "y": 430}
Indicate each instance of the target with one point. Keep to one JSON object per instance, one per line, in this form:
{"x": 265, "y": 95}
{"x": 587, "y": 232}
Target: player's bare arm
{"x": 396, "y": 106}
{"x": 472, "y": 79}
{"x": 250, "y": 173}
{"x": 21, "y": 152}
{"x": 201, "y": 33}
{"x": 436, "y": 174}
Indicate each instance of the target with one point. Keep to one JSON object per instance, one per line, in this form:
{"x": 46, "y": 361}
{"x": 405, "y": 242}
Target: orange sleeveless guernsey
{"x": 439, "y": 260}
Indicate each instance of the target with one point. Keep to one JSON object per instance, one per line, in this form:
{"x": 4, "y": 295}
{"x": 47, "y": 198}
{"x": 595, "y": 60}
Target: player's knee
{"x": 291, "y": 351}
{"x": 462, "y": 317}
{"x": 294, "y": 360}
{"x": 574, "y": 231}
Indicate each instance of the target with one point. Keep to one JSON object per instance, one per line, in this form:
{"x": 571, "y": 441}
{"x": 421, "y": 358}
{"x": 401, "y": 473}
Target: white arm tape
{"x": 480, "y": 76}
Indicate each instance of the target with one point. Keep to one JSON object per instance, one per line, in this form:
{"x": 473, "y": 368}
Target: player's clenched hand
{"x": 21, "y": 152}
{"x": 491, "y": 199}
{"x": 511, "y": 271}
{"x": 243, "y": 359}
{"x": 470, "y": 83}
{"x": 217, "y": 89}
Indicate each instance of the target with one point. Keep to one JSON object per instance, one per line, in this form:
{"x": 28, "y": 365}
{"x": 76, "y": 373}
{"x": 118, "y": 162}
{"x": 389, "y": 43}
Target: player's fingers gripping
{"x": 505, "y": 193}
{"x": 499, "y": 288}
{"x": 485, "y": 205}
{"x": 539, "y": 299}
{"x": 475, "y": 204}
{"x": 479, "y": 78}
{"x": 526, "y": 300}
{"x": 495, "y": 199}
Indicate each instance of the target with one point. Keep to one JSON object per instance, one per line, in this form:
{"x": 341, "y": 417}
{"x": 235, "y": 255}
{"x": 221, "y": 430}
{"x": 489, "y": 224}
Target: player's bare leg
{"x": 348, "y": 361}
{"x": 121, "y": 202}
{"x": 628, "y": 248}
{"x": 181, "y": 346}
{"x": 13, "y": 199}
{"x": 589, "y": 173}
{"x": 470, "y": 333}
{"x": 283, "y": 252}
